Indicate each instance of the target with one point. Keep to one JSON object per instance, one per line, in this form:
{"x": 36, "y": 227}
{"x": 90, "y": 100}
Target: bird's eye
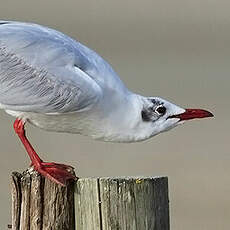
{"x": 161, "y": 110}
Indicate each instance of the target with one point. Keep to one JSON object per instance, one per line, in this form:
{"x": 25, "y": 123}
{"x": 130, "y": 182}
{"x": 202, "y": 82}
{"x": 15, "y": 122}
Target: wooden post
{"x": 39, "y": 204}
{"x": 100, "y": 203}
{"x": 122, "y": 204}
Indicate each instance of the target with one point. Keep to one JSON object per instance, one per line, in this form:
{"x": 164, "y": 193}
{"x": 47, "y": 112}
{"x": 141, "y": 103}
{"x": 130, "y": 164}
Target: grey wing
{"x": 39, "y": 71}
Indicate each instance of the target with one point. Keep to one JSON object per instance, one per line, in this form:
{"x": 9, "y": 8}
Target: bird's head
{"x": 162, "y": 115}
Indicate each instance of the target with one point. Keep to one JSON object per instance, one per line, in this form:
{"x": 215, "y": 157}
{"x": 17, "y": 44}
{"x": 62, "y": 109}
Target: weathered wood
{"x": 16, "y": 200}
{"x": 39, "y": 204}
{"x": 58, "y": 211}
{"x": 122, "y": 204}
{"x": 86, "y": 204}
{"x": 36, "y": 202}
{"x": 100, "y": 203}
{"x": 25, "y": 202}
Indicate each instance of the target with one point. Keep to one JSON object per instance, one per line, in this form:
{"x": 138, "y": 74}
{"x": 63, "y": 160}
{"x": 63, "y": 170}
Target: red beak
{"x": 192, "y": 114}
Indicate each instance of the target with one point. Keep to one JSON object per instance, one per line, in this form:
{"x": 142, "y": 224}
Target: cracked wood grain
{"x": 139, "y": 203}
{"x": 39, "y": 204}
{"x": 122, "y": 204}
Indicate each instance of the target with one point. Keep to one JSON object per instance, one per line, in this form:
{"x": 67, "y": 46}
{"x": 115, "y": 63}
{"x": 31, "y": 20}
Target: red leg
{"x": 59, "y": 173}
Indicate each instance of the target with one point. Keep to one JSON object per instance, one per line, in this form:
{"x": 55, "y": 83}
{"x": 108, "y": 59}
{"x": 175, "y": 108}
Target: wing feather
{"x": 39, "y": 72}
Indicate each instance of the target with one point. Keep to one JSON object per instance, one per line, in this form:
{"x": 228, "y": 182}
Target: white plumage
{"x": 58, "y": 84}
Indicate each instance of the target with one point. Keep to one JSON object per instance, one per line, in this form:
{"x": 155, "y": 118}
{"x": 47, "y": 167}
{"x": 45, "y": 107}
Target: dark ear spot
{"x": 154, "y": 101}
{"x": 146, "y": 116}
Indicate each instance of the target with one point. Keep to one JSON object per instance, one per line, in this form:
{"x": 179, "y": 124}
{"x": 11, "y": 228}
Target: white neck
{"x": 125, "y": 112}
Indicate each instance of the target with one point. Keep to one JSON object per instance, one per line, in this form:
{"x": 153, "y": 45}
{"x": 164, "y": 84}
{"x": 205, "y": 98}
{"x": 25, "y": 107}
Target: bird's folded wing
{"x": 41, "y": 73}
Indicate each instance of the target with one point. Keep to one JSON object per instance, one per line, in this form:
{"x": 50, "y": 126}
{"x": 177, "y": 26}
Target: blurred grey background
{"x": 179, "y": 50}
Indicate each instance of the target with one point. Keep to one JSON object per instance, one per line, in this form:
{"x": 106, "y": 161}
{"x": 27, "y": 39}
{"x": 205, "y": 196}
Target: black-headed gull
{"x": 57, "y": 84}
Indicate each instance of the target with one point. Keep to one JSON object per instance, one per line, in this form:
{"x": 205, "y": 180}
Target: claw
{"x": 58, "y": 173}
{"x": 57, "y": 165}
